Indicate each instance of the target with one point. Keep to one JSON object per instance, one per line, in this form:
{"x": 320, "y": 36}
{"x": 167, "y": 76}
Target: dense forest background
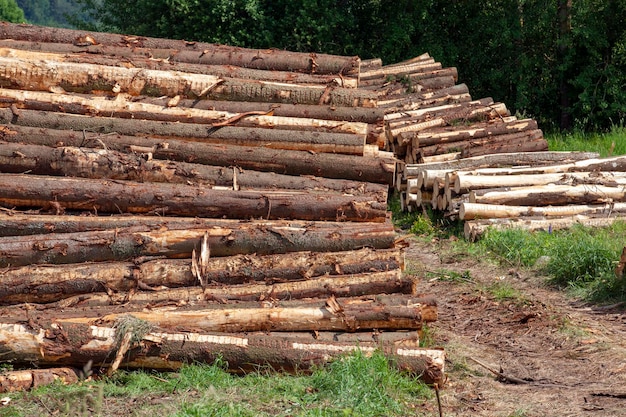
{"x": 562, "y": 62}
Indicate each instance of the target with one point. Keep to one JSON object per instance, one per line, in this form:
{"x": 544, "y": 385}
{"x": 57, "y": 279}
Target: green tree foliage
{"x": 11, "y": 12}
{"x": 552, "y": 66}
{"x": 51, "y": 12}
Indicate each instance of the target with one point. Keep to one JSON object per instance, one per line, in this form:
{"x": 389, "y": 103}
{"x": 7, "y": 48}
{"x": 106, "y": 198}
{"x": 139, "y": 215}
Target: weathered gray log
{"x": 474, "y": 229}
{"x": 195, "y": 52}
{"x": 552, "y": 195}
{"x": 471, "y": 211}
{"x": 247, "y": 238}
{"x": 346, "y": 272}
{"x": 162, "y": 349}
{"x": 350, "y": 167}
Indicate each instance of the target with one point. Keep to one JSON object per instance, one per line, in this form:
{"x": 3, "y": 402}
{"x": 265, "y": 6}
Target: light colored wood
{"x": 471, "y": 211}
{"x": 552, "y": 195}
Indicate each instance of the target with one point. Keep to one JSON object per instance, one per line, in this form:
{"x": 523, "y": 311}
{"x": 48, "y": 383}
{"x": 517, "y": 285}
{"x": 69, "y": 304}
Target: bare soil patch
{"x": 570, "y": 356}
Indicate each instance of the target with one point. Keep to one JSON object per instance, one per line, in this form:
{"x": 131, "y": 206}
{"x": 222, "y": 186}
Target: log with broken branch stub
{"x": 116, "y": 196}
{"x": 179, "y": 50}
{"x": 168, "y": 350}
{"x": 245, "y": 238}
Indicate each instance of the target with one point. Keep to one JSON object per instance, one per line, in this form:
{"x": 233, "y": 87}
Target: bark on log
{"x": 125, "y": 281}
{"x": 167, "y": 350}
{"x": 474, "y": 229}
{"x": 254, "y": 237}
{"x": 371, "y": 283}
{"x": 12, "y": 381}
{"x": 477, "y": 130}
{"x": 536, "y": 144}
{"x": 391, "y": 104}
{"x": 471, "y": 211}
{"x": 124, "y": 108}
{"x": 399, "y": 70}
{"x": 485, "y": 144}
{"x": 182, "y": 200}
{"x": 512, "y": 159}
{"x": 195, "y": 52}
{"x": 350, "y": 167}
{"x": 552, "y": 195}
{"x": 464, "y": 182}
{"x": 22, "y": 51}
{"x": 439, "y": 111}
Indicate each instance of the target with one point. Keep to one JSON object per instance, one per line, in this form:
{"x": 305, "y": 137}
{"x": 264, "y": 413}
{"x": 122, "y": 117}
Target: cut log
{"x": 12, "y": 381}
{"x": 508, "y": 160}
{"x": 464, "y": 182}
{"x": 537, "y": 144}
{"x": 182, "y": 200}
{"x": 125, "y": 281}
{"x": 195, "y": 52}
{"x": 399, "y": 70}
{"x": 351, "y": 167}
{"x": 552, "y": 195}
{"x": 471, "y": 211}
{"x": 247, "y": 238}
{"x": 406, "y": 101}
{"x": 222, "y": 71}
{"x": 123, "y": 107}
{"x": 371, "y": 283}
{"x": 167, "y": 350}
{"x": 478, "y": 130}
{"x": 474, "y": 229}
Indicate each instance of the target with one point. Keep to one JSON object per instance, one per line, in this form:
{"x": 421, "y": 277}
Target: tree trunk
{"x": 245, "y": 238}
{"x": 534, "y": 143}
{"x": 421, "y": 99}
{"x": 123, "y": 108}
{"x": 22, "y": 51}
{"x": 476, "y": 131}
{"x": 350, "y": 167}
{"x": 166, "y": 350}
{"x": 399, "y": 70}
{"x": 127, "y": 281}
{"x": 182, "y": 200}
{"x": 183, "y": 51}
{"x": 471, "y": 211}
{"x": 474, "y": 229}
{"x": 12, "y": 381}
{"x": 370, "y": 283}
{"x": 552, "y": 195}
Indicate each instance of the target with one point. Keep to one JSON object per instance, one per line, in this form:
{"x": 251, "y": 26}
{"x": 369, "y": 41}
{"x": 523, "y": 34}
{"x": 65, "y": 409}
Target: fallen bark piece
{"x": 182, "y": 200}
{"x": 68, "y": 343}
{"x": 11, "y": 381}
{"x": 225, "y": 240}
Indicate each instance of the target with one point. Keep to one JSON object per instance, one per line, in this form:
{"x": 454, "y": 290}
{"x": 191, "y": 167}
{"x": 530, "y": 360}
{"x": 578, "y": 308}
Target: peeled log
{"x": 125, "y": 281}
{"x": 167, "y": 350}
{"x": 11, "y": 381}
{"x": 371, "y": 283}
{"x": 471, "y": 211}
{"x": 474, "y": 229}
{"x": 246, "y": 238}
{"x": 183, "y": 51}
{"x": 182, "y": 200}
{"x": 552, "y": 195}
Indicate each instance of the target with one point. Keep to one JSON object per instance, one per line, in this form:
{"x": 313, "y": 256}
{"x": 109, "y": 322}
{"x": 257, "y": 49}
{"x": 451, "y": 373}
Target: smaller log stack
{"x": 166, "y": 202}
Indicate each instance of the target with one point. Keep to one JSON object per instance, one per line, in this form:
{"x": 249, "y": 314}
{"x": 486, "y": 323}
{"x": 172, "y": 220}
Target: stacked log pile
{"x": 165, "y": 202}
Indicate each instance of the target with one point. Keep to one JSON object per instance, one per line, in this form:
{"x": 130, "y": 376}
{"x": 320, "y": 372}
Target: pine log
{"x": 439, "y": 111}
{"x": 399, "y": 70}
{"x": 23, "y": 380}
{"x": 223, "y": 71}
{"x": 464, "y": 182}
{"x": 371, "y": 283}
{"x": 408, "y": 100}
{"x": 183, "y": 51}
{"x": 123, "y": 107}
{"x": 471, "y": 211}
{"x": 106, "y": 163}
{"x": 350, "y": 167}
{"x": 474, "y": 229}
{"x": 511, "y": 159}
{"x": 76, "y": 343}
{"x": 335, "y": 272}
{"x": 535, "y": 143}
{"x": 247, "y": 238}
{"x": 552, "y": 195}
{"x": 115, "y": 196}
{"x": 477, "y": 130}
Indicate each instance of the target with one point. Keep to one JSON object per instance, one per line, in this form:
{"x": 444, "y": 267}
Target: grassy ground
{"x": 606, "y": 144}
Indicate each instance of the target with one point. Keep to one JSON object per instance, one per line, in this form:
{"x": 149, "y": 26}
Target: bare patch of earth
{"x": 569, "y": 358}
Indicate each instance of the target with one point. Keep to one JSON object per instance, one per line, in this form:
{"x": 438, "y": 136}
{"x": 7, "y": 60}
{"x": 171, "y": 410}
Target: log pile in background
{"x": 168, "y": 202}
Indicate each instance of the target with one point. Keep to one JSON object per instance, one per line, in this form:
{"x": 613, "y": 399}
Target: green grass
{"x": 354, "y": 385}
{"x": 606, "y": 144}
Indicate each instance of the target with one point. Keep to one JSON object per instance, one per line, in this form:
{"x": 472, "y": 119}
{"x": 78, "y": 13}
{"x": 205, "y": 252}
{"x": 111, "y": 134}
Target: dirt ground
{"x": 567, "y": 357}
